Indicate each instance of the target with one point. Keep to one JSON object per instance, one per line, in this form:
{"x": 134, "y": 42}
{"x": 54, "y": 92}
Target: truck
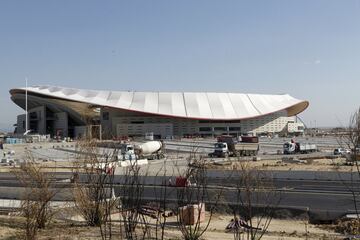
{"x": 149, "y": 150}
{"x": 229, "y": 146}
{"x": 130, "y": 154}
{"x": 126, "y": 152}
{"x": 293, "y": 147}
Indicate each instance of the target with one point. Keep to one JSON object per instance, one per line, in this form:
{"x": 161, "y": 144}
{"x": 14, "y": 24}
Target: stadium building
{"x": 69, "y": 112}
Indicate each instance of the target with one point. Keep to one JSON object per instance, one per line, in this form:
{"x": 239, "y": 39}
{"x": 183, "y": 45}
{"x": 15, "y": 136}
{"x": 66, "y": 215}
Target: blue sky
{"x": 309, "y": 49}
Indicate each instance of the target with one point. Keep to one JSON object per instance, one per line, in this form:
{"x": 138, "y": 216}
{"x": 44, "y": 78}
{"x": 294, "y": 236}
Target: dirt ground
{"x": 278, "y": 229}
{"x": 11, "y": 227}
{"x": 322, "y": 164}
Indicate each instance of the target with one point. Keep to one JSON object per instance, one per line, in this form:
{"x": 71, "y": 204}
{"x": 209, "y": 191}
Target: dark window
{"x": 219, "y": 121}
{"x": 220, "y": 128}
{"x": 105, "y": 116}
{"x": 231, "y": 121}
{"x": 204, "y": 121}
{"x": 234, "y": 128}
{"x": 137, "y": 122}
{"x": 205, "y": 129}
{"x": 23, "y": 123}
{"x": 33, "y": 115}
{"x": 34, "y": 126}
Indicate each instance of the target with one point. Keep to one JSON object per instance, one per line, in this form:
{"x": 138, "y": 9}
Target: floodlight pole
{"x": 26, "y": 105}
{"x": 100, "y": 130}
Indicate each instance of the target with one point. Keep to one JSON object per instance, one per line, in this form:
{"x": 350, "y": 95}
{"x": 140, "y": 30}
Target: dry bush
{"x": 161, "y": 197}
{"x": 351, "y": 140}
{"x": 348, "y": 227}
{"x": 92, "y": 210}
{"x": 39, "y": 191}
{"x": 196, "y": 192}
{"x": 131, "y": 200}
{"x": 93, "y": 185}
{"x": 256, "y": 200}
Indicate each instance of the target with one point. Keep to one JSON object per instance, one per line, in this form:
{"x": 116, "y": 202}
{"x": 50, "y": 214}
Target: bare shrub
{"x": 161, "y": 195}
{"x": 93, "y": 191}
{"x": 351, "y": 137}
{"x": 256, "y": 201}
{"x": 351, "y": 140}
{"x": 348, "y": 227}
{"x": 39, "y": 191}
{"x": 131, "y": 199}
{"x": 194, "y": 194}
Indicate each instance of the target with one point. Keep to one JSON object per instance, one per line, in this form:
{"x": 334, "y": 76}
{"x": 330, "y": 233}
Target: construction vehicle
{"x": 131, "y": 154}
{"x": 293, "y": 147}
{"x": 148, "y": 150}
{"x": 229, "y": 146}
{"x": 127, "y": 152}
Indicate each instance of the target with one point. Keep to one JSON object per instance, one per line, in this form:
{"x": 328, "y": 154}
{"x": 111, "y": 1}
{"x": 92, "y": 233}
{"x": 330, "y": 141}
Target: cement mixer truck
{"x": 148, "y": 150}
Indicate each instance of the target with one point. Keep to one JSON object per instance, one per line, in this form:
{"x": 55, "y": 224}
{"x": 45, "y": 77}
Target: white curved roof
{"x": 195, "y": 105}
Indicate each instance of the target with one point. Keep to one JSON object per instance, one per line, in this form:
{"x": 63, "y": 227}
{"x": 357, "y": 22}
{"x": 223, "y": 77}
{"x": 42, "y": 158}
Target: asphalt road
{"x": 321, "y": 205}
{"x": 323, "y": 195}
{"x": 283, "y": 180}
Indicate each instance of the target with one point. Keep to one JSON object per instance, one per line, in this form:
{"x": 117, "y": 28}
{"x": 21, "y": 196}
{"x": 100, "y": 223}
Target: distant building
{"x": 69, "y": 112}
{"x": 295, "y": 127}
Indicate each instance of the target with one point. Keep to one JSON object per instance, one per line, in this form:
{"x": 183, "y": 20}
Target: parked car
{"x": 341, "y": 151}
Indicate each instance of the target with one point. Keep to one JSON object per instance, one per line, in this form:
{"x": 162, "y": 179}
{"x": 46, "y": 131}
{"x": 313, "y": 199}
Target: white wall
{"x": 296, "y": 127}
